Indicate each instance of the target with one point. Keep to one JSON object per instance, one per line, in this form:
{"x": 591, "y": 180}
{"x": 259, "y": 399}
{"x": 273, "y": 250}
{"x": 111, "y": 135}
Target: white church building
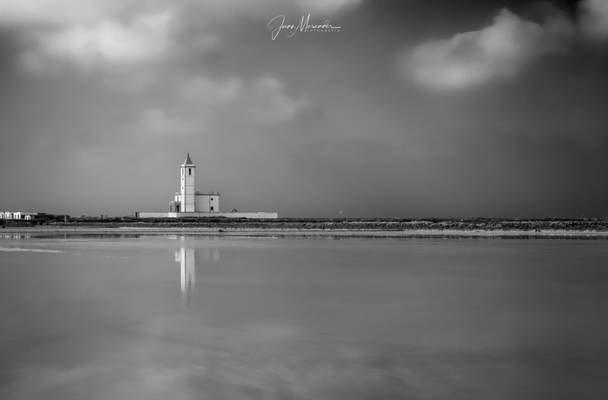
{"x": 188, "y": 202}
{"x": 188, "y": 199}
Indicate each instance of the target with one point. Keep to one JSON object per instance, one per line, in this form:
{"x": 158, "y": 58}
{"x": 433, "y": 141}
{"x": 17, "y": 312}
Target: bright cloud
{"x": 328, "y": 6}
{"x": 91, "y": 33}
{"x": 203, "y": 91}
{"x": 496, "y": 52}
{"x": 56, "y": 11}
{"x": 75, "y": 12}
{"x": 595, "y": 18}
{"x": 156, "y": 122}
{"x": 270, "y": 104}
{"x": 223, "y": 9}
{"x": 201, "y": 104}
{"x": 81, "y": 11}
{"x": 143, "y": 39}
{"x": 262, "y": 100}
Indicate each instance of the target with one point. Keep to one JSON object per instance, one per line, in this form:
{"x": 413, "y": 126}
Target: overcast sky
{"x": 412, "y": 108}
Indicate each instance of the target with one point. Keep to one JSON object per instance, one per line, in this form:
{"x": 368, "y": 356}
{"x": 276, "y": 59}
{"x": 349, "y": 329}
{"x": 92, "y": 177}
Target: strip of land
{"x": 49, "y": 230}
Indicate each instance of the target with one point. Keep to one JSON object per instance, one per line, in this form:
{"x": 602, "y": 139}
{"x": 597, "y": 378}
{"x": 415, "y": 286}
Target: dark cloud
{"x": 495, "y": 52}
{"x": 502, "y": 49}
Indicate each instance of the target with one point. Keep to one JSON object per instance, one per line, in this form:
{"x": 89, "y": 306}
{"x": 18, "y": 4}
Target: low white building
{"x": 188, "y": 202}
{"x": 16, "y": 215}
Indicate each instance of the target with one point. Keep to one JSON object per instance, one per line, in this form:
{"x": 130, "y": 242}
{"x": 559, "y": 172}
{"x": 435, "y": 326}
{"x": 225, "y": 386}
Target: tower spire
{"x": 188, "y": 160}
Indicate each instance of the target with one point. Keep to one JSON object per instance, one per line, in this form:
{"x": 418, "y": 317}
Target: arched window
{"x": 190, "y": 171}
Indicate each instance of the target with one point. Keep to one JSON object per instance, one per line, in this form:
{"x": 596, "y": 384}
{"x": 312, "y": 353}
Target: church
{"x": 188, "y": 199}
{"x": 188, "y": 202}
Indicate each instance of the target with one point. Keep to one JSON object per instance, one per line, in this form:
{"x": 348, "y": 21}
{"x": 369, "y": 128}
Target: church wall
{"x": 208, "y": 202}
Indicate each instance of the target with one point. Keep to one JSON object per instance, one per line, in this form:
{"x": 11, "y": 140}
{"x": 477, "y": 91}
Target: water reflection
{"x": 304, "y": 319}
{"x": 186, "y": 257}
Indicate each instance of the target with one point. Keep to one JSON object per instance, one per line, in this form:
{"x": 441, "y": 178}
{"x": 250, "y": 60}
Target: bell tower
{"x": 187, "y": 185}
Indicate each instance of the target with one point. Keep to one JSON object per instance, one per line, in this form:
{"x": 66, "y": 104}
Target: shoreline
{"x": 304, "y": 233}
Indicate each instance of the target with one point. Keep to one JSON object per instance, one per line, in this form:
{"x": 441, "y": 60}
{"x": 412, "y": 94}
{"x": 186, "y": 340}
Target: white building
{"x": 188, "y": 199}
{"x": 188, "y": 202}
{"x": 16, "y": 215}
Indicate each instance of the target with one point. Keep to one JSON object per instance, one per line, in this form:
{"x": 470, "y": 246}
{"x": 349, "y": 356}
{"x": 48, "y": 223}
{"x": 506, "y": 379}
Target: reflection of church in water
{"x": 187, "y": 271}
{"x": 186, "y": 257}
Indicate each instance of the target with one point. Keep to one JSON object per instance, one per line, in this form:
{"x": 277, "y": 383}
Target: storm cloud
{"x": 496, "y": 52}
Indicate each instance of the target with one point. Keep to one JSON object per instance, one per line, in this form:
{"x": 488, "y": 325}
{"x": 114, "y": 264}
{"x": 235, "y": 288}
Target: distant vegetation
{"x": 596, "y": 224}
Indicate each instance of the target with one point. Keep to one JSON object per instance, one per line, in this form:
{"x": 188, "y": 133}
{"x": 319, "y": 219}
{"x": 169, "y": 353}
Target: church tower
{"x": 187, "y": 187}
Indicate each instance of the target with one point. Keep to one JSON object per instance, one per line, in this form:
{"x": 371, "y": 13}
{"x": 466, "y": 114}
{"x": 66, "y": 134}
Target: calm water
{"x": 211, "y": 318}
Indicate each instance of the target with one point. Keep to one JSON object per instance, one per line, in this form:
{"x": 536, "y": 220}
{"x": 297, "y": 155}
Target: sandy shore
{"x": 286, "y": 232}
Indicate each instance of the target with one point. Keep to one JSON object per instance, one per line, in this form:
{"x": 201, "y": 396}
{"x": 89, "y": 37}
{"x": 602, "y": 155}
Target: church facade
{"x": 190, "y": 203}
{"x": 188, "y": 199}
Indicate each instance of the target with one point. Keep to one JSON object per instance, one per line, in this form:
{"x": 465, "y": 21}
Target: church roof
{"x": 188, "y": 160}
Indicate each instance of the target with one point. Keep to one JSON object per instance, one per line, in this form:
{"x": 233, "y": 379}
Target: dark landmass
{"x": 580, "y": 224}
{"x": 345, "y": 227}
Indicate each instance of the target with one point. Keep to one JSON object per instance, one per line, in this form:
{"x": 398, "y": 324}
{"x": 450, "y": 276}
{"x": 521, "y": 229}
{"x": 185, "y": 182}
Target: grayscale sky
{"x": 413, "y": 108}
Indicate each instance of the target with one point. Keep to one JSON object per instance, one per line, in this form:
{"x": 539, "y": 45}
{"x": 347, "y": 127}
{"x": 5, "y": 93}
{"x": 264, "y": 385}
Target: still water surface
{"x": 219, "y": 318}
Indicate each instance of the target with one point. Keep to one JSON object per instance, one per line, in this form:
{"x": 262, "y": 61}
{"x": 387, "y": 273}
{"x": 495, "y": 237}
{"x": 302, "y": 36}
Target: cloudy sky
{"x": 434, "y": 108}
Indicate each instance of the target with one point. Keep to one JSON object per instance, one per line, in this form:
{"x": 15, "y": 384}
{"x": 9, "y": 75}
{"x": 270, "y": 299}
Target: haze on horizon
{"x": 493, "y": 108}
